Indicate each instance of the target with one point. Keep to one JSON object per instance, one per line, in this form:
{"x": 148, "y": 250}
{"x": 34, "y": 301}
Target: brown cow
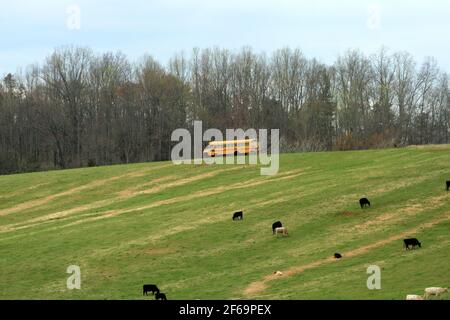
{"x": 282, "y": 230}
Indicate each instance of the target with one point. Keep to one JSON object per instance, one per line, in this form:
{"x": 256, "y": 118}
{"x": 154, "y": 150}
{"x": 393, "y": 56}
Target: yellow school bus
{"x": 231, "y": 147}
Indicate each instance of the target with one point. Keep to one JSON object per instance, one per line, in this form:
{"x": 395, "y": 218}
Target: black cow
{"x": 448, "y": 184}
{"x": 276, "y": 225}
{"x": 337, "y": 255}
{"x": 411, "y": 242}
{"x": 364, "y": 202}
{"x": 149, "y": 287}
{"x": 238, "y": 215}
{"x": 160, "y": 296}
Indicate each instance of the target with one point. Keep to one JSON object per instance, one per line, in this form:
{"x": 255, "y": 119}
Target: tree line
{"x": 79, "y": 109}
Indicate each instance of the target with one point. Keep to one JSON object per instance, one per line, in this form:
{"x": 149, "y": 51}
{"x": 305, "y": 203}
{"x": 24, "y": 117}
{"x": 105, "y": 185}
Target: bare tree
{"x": 80, "y": 108}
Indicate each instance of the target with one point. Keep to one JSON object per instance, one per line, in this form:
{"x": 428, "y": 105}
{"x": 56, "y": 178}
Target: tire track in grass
{"x": 396, "y": 215}
{"x": 260, "y": 285}
{"x": 222, "y": 216}
{"x": 386, "y": 188}
{"x": 65, "y": 213}
{"x": 22, "y": 190}
{"x": 131, "y": 192}
{"x": 94, "y": 184}
{"x": 92, "y": 217}
{"x": 112, "y": 213}
{"x": 195, "y": 195}
{"x": 121, "y": 196}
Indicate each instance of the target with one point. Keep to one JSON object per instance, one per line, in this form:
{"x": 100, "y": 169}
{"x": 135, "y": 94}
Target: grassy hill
{"x": 171, "y": 225}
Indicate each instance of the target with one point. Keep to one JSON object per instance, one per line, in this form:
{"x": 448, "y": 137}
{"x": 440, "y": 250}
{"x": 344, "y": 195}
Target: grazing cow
{"x": 411, "y": 242}
{"x": 238, "y": 215}
{"x": 149, "y": 287}
{"x": 160, "y": 296}
{"x": 434, "y": 291}
{"x": 278, "y": 273}
{"x": 337, "y": 255}
{"x": 413, "y": 297}
{"x": 364, "y": 202}
{"x": 448, "y": 184}
{"x": 281, "y": 230}
{"x": 276, "y": 225}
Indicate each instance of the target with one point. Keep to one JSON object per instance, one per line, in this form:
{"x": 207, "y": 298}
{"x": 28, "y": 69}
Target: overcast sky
{"x": 30, "y": 30}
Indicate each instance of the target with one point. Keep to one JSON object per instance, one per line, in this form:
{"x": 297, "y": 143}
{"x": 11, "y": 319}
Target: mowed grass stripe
{"x": 113, "y": 213}
{"x": 91, "y": 185}
{"x": 164, "y": 183}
